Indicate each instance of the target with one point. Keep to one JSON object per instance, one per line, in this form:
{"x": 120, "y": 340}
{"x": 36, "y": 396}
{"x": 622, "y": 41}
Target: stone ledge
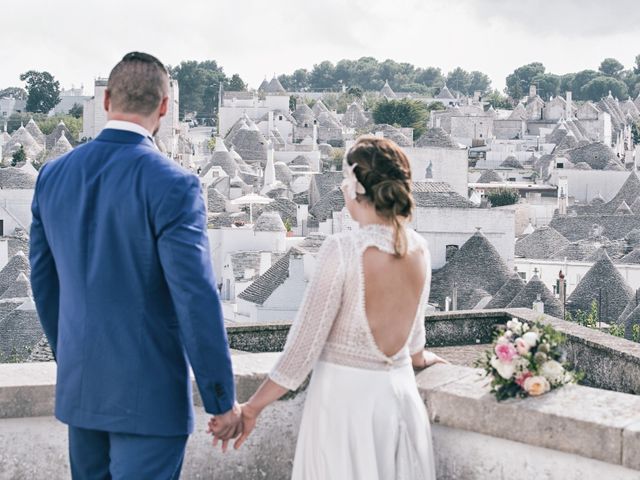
{"x": 593, "y": 423}
{"x": 588, "y": 422}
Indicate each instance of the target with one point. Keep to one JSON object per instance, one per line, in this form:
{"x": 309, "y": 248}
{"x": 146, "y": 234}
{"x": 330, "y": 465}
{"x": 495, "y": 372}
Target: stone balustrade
{"x": 576, "y": 432}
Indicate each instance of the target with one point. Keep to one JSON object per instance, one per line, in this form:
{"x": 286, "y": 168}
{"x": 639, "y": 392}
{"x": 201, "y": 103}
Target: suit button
{"x": 219, "y": 390}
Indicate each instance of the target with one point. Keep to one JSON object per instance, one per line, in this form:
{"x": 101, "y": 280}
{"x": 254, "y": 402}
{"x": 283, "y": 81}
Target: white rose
{"x": 525, "y": 327}
{"x": 531, "y": 338}
{"x": 505, "y": 370}
{"x": 521, "y": 364}
{"x": 502, "y": 339}
{"x": 552, "y": 371}
{"x": 508, "y": 334}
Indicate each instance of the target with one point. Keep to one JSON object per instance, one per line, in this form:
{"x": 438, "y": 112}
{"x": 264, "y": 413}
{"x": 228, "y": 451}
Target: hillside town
{"x": 565, "y": 242}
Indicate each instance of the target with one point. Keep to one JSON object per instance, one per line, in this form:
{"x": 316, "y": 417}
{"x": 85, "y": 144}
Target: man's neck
{"x": 145, "y": 122}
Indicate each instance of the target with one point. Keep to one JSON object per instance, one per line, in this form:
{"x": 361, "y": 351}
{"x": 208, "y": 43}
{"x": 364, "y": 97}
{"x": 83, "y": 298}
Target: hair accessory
{"x": 350, "y": 185}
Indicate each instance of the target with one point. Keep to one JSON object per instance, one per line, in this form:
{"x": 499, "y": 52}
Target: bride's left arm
{"x": 307, "y": 336}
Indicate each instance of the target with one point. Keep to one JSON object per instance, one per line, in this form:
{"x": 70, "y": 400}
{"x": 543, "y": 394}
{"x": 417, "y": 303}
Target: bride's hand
{"x": 249, "y": 418}
{"x": 431, "y": 358}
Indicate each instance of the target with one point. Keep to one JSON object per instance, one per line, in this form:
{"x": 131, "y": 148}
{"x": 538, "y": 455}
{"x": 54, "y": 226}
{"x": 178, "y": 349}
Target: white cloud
{"x": 77, "y": 42}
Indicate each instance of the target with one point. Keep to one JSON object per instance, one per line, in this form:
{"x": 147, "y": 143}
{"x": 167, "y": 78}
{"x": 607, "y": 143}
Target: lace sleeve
{"x": 418, "y": 334}
{"x": 315, "y": 317}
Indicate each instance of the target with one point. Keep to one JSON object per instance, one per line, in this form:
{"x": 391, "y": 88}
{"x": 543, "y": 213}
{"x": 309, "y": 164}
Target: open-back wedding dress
{"x": 363, "y": 418}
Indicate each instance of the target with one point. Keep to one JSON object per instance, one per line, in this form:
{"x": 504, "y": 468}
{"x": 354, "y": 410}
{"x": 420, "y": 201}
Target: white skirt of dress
{"x": 361, "y": 424}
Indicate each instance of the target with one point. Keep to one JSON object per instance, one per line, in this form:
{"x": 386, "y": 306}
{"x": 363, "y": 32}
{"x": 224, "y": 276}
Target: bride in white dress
{"x": 360, "y": 328}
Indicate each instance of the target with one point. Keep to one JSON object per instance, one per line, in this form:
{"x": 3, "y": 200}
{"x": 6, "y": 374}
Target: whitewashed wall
{"x": 447, "y": 165}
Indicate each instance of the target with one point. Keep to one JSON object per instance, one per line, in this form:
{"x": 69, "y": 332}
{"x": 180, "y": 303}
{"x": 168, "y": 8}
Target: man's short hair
{"x": 138, "y": 83}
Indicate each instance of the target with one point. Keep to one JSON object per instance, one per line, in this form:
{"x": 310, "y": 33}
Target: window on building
{"x": 279, "y": 117}
{"x": 450, "y": 251}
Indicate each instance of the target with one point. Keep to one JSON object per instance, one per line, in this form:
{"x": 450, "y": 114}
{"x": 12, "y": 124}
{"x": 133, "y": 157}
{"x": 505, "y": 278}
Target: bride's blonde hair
{"x": 384, "y": 171}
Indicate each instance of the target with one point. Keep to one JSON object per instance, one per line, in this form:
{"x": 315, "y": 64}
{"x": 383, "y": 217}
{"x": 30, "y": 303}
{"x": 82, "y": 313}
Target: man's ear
{"x": 164, "y": 106}
{"x": 107, "y": 100}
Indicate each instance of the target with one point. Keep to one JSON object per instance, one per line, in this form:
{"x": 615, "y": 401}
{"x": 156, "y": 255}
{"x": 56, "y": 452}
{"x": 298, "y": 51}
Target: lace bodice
{"x": 331, "y": 323}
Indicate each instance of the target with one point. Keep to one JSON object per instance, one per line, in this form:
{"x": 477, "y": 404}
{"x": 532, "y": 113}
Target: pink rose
{"x": 505, "y": 352}
{"x": 520, "y": 379}
{"x": 522, "y": 346}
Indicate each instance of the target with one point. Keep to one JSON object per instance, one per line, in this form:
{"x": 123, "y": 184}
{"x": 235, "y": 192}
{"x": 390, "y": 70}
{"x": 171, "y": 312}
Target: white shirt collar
{"x": 129, "y": 127}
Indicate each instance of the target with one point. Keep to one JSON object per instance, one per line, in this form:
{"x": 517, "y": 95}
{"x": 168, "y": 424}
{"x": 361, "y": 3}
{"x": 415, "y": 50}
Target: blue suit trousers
{"x": 99, "y": 455}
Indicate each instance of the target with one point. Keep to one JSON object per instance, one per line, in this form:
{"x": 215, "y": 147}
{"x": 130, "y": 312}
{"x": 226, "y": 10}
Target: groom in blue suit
{"x": 123, "y": 284}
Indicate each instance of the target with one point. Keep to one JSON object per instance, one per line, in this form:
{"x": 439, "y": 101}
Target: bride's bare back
{"x": 393, "y": 288}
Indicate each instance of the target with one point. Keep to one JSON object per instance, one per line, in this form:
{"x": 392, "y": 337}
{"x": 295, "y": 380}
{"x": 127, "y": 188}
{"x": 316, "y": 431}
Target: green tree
{"x": 547, "y": 85}
{"x": 580, "y": 79}
{"x": 459, "y": 79}
{"x": 322, "y": 76}
{"x": 479, "y": 82}
{"x": 498, "y": 100}
{"x": 235, "y": 84}
{"x": 18, "y": 157}
{"x": 199, "y": 86}
{"x": 43, "y": 91}
{"x": 503, "y": 196}
{"x": 76, "y": 110}
{"x": 355, "y": 92}
{"x": 402, "y": 113}
{"x": 522, "y": 77}
{"x": 611, "y": 67}
{"x": 601, "y": 86}
{"x": 15, "y": 92}
{"x": 430, "y": 76}
{"x": 436, "y": 106}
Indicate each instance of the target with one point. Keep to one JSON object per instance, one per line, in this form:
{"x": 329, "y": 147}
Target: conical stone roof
{"x": 22, "y": 137}
{"x": 489, "y": 176}
{"x": 250, "y": 145}
{"x": 36, "y": 133}
{"x": 623, "y": 209}
{"x": 387, "y": 91}
{"x": 319, "y": 107}
{"x": 20, "y": 288}
{"x": 17, "y": 264}
{"x": 529, "y": 294}
{"x": 630, "y": 321}
{"x": 57, "y": 132}
{"x": 541, "y": 244}
{"x": 354, "y": 117}
{"x": 437, "y": 137}
{"x": 632, "y": 257}
{"x": 602, "y": 281}
{"x": 216, "y": 202}
{"x": 507, "y": 292}
{"x": 61, "y": 147}
{"x": 476, "y": 265}
{"x": 511, "y": 162}
{"x": 274, "y": 86}
{"x": 269, "y": 222}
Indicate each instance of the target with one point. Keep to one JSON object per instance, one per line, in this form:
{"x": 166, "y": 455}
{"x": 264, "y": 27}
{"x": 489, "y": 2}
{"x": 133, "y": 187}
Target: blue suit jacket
{"x": 123, "y": 284}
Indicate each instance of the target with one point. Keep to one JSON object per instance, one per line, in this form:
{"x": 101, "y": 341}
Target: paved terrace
{"x": 576, "y": 432}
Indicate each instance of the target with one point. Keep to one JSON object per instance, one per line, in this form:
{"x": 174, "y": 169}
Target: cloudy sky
{"x": 78, "y": 41}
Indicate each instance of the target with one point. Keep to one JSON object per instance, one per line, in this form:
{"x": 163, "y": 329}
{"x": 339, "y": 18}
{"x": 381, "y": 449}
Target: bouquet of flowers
{"x": 526, "y": 360}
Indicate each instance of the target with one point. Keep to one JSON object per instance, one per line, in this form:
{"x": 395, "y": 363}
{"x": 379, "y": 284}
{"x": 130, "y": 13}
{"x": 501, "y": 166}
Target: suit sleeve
{"x": 183, "y": 246}
{"x": 44, "y": 276}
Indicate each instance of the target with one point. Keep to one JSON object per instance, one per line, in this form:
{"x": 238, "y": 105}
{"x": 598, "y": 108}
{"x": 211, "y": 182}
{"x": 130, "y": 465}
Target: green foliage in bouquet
{"x": 526, "y": 360}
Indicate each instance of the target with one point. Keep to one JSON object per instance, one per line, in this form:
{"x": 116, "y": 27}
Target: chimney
{"x": 270, "y": 116}
{"x": 569, "y": 106}
{"x": 533, "y": 91}
{"x": 538, "y": 306}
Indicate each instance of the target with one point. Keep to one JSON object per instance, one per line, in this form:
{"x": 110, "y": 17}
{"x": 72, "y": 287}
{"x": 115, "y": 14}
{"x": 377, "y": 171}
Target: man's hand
{"x": 226, "y": 426}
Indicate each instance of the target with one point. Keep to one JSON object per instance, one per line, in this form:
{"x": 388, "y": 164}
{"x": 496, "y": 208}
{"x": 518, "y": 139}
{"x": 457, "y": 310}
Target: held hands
{"x": 239, "y": 422}
{"x": 226, "y": 426}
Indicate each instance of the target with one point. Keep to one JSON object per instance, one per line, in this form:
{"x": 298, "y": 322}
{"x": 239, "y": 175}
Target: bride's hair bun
{"x": 385, "y": 173}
